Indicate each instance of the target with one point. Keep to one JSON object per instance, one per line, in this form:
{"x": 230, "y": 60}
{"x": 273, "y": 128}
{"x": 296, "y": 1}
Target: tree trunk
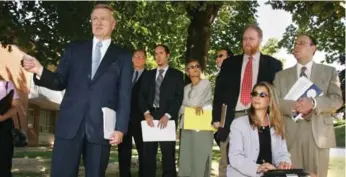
{"x": 199, "y": 31}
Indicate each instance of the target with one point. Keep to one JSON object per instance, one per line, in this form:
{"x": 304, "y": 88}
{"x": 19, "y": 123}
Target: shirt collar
{"x": 105, "y": 42}
{"x": 164, "y": 69}
{"x": 308, "y": 65}
{"x": 254, "y": 57}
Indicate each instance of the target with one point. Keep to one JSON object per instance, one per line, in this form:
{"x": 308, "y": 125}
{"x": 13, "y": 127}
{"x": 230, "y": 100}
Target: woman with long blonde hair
{"x": 257, "y": 141}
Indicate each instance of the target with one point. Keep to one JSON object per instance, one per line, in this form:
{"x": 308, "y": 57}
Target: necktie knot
{"x": 99, "y": 44}
{"x": 161, "y": 71}
{"x": 302, "y": 71}
{"x": 135, "y": 77}
{"x": 250, "y": 58}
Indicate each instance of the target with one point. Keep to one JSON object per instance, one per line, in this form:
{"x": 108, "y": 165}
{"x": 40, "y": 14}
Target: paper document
{"x": 10, "y": 65}
{"x": 302, "y": 88}
{"x": 198, "y": 122}
{"x": 223, "y": 115}
{"x": 154, "y": 134}
{"x": 109, "y": 120}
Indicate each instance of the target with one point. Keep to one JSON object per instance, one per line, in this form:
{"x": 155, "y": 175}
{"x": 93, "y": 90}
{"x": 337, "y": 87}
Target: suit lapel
{"x": 291, "y": 77}
{"x": 164, "y": 82}
{"x": 153, "y": 83}
{"x": 108, "y": 58}
{"x": 237, "y": 73}
{"x": 262, "y": 68}
{"x": 313, "y": 73}
{"x": 88, "y": 56}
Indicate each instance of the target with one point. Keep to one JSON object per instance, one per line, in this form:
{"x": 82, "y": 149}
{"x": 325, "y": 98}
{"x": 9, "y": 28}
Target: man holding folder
{"x": 160, "y": 98}
{"x": 309, "y": 140}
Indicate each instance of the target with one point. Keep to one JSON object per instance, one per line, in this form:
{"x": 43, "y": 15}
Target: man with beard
{"x": 235, "y": 82}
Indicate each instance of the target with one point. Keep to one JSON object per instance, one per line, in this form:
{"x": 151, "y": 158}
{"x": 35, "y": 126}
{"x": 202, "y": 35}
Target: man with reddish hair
{"x": 235, "y": 82}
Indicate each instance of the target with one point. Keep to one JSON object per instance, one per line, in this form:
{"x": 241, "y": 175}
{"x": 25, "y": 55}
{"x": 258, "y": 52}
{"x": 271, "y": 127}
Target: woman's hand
{"x": 199, "y": 111}
{"x": 265, "y": 167}
{"x": 285, "y": 165}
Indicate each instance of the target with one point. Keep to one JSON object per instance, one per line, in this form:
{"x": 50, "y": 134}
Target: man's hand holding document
{"x": 156, "y": 133}
{"x": 109, "y": 120}
{"x": 198, "y": 120}
{"x": 302, "y": 89}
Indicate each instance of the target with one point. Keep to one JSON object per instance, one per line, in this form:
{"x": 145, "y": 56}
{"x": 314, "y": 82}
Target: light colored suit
{"x": 244, "y": 149}
{"x": 315, "y": 136}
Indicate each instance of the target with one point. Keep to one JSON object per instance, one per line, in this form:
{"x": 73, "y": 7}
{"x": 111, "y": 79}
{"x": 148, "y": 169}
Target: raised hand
{"x": 32, "y": 65}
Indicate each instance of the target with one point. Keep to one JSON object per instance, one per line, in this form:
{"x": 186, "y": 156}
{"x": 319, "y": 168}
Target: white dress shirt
{"x": 139, "y": 74}
{"x": 105, "y": 44}
{"x": 307, "y": 71}
{"x": 164, "y": 72}
{"x": 163, "y": 75}
{"x": 255, "y": 69}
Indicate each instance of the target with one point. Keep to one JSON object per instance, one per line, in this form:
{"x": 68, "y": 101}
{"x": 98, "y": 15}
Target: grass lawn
{"x": 336, "y": 166}
{"x": 340, "y": 135}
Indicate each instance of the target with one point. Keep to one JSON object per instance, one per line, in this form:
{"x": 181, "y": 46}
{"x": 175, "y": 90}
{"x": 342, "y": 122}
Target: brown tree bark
{"x": 199, "y": 31}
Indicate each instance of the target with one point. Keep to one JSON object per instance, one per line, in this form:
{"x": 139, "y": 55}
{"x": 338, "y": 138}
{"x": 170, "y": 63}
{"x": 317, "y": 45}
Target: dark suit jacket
{"x": 136, "y": 115}
{"x": 84, "y": 98}
{"x": 171, "y": 92}
{"x": 227, "y": 86}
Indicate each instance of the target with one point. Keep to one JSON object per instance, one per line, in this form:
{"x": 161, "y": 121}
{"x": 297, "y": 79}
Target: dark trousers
{"x": 150, "y": 152}
{"x": 6, "y": 148}
{"x": 67, "y": 154}
{"x": 125, "y": 150}
{"x": 168, "y": 159}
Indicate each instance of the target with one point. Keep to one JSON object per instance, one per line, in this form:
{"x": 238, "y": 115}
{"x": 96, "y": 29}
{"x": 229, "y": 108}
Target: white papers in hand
{"x": 302, "y": 88}
{"x": 109, "y": 120}
{"x": 154, "y": 134}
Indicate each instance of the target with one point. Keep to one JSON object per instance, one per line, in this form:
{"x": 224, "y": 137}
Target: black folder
{"x": 6, "y": 102}
{"x": 285, "y": 173}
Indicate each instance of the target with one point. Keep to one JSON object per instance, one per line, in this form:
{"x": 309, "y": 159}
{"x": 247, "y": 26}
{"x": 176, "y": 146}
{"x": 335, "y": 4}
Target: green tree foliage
{"x": 44, "y": 28}
{"x": 325, "y": 20}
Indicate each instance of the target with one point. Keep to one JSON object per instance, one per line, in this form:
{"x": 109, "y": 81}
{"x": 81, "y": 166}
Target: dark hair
{"x": 312, "y": 39}
{"x": 256, "y": 28}
{"x": 229, "y": 52}
{"x": 140, "y": 50}
{"x": 164, "y": 46}
{"x": 192, "y": 60}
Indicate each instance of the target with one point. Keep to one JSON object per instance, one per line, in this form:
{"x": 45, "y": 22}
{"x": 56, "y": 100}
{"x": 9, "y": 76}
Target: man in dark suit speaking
{"x": 94, "y": 74}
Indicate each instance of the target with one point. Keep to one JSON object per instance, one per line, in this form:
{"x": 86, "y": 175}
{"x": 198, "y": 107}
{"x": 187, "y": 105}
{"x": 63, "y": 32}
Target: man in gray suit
{"x": 309, "y": 140}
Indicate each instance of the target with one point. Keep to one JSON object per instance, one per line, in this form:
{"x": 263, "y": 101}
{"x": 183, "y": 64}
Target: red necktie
{"x": 246, "y": 86}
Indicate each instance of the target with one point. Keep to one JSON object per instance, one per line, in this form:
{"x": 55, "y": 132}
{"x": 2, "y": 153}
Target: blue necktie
{"x": 96, "y": 59}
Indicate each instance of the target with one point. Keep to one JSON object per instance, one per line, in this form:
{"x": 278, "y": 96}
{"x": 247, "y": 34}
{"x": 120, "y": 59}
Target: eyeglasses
{"x": 194, "y": 67}
{"x": 261, "y": 94}
{"x": 219, "y": 56}
{"x": 301, "y": 43}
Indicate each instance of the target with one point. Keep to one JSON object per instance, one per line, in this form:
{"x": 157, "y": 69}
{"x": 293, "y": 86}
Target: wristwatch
{"x": 313, "y": 103}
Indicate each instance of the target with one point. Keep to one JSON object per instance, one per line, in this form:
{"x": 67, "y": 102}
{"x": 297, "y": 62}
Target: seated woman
{"x": 195, "y": 146}
{"x": 257, "y": 141}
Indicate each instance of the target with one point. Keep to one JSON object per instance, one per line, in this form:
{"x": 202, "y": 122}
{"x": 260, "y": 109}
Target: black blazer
{"x": 136, "y": 115}
{"x": 171, "y": 92}
{"x": 85, "y": 97}
{"x": 227, "y": 87}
